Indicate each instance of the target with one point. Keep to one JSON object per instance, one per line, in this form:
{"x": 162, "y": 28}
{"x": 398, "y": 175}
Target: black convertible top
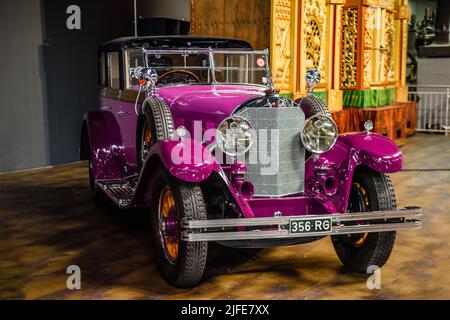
{"x": 175, "y": 42}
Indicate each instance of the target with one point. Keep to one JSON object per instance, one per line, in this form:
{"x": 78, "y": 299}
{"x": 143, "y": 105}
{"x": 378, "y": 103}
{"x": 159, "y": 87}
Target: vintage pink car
{"x": 192, "y": 130}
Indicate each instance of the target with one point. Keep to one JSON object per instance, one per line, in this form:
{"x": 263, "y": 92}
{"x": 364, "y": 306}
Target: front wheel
{"x": 181, "y": 263}
{"x": 370, "y": 191}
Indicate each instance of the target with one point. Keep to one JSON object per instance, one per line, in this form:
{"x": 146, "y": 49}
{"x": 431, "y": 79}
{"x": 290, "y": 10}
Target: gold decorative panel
{"x": 282, "y": 43}
{"x": 356, "y": 44}
{"x": 248, "y": 20}
{"x": 349, "y": 50}
{"x": 388, "y": 44}
{"x": 379, "y": 40}
{"x": 315, "y": 34}
{"x": 370, "y": 44}
{"x": 386, "y": 4}
{"x": 313, "y": 44}
{"x": 403, "y": 12}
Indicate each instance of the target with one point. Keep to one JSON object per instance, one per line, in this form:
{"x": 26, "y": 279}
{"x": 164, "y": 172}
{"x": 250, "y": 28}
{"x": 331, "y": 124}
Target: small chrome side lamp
{"x": 368, "y": 126}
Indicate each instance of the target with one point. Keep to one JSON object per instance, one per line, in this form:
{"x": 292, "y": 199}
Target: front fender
{"x": 186, "y": 160}
{"x": 375, "y": 151}
{"x": 352, "y": 150}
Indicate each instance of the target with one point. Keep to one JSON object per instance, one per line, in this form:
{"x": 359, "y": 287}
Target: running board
{"x": 121, "y": 192}
{"x": 279, "y": 227}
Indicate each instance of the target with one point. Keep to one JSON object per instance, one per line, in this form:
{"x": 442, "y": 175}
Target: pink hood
{"x": 207, "y": 103}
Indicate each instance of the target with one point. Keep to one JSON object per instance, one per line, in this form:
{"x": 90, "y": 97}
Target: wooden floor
{"x": 48, "y": 222}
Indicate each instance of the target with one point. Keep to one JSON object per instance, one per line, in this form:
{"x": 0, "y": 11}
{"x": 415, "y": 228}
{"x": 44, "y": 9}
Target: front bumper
{"x": 278, "y": 227}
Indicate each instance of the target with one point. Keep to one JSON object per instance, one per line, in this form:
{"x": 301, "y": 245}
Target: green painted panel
{"x": 368, "y": 98}
{"x": 322, "y": 95}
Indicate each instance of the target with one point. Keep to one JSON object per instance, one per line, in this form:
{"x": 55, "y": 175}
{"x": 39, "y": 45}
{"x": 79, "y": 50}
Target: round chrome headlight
{"x": 319, "y": 134}
{"x": 234, "y": 136}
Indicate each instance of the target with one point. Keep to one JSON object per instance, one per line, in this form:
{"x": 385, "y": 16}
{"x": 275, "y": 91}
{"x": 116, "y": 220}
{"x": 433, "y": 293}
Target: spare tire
{"x": 154, "y": 123}
{"x": 312, "y": 105}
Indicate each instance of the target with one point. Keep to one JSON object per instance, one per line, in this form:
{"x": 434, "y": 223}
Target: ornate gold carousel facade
{"x": 359, "y": 46}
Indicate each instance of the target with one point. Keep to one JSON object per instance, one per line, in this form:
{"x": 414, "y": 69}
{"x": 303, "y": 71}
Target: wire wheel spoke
{"x": 359, "y": 202}
{"x": 146, "y": 141}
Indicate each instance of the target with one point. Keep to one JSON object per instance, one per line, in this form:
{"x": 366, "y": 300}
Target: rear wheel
{"x": 181, "y": 263}
{"x": 370, "y": 191}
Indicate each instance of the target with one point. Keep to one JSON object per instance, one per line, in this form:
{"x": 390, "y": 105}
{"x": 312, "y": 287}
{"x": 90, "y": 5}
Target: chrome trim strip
{"x": 336, "y": 218}
{"x": 210, "y": 52}
{"x": 204, "y": 50}
{"x": 197, "y": 230}
{"x": 258, "y": 234}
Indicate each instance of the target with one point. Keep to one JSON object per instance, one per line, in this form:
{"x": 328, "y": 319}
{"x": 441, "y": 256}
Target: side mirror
{"x": 147, "y": 74}
{"x": 312, "y": 79}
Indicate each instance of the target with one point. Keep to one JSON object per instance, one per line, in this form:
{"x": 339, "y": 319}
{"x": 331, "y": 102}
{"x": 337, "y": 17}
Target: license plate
{"x": 313, "y": 225}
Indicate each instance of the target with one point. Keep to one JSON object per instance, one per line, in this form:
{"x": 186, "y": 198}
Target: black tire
{"x": 312, "y": 105}
{"x": 188, "y": 267}
{"x": 371, "y": 191}
{"x": 156, "y": 114}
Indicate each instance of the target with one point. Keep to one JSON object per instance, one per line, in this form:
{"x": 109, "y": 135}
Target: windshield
{"x": 180, "y": 68}
{"x": 208, "y": 66}
{"x": 241, "y": 67}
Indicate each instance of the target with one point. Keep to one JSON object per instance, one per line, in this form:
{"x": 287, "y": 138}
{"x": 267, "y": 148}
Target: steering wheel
{"x": 190, "y": 75}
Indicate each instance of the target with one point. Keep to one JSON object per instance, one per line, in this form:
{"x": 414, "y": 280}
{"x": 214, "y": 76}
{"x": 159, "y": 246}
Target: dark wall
{"x": 443, "y": 15}
{"x": 48, "y": 75}
{"x": 70, "y": 64}
{"x": 22, "y": 110}
{"x": 172, "y": 9}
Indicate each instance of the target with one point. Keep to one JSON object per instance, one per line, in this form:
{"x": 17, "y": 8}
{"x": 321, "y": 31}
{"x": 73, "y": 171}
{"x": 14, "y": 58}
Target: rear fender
{"x": 103, "y": 145}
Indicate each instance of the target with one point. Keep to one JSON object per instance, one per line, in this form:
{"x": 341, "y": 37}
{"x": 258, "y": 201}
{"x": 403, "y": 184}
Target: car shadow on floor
{"x": 61, "y": 226}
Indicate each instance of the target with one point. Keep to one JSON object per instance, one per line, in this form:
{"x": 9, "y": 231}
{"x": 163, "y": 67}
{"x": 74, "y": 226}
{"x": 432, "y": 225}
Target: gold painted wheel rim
{"x": 359, "y": 242}
{"x": 146, "y": 140}
{"x": 362, "y": 239}
{"x": 168, "y": 222}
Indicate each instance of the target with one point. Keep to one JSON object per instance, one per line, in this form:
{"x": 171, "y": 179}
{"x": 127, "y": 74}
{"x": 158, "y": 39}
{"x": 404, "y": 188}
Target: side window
{"x": 133, "y": 59}
{"x": 113, "y": 70}
{"x": 102, "y": 70}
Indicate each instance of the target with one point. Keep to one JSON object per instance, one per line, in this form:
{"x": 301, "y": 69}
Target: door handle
{"x": 121, "y": 113}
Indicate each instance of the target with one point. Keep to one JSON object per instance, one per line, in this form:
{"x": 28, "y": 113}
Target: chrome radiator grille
{"x": 276, "y": 160}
